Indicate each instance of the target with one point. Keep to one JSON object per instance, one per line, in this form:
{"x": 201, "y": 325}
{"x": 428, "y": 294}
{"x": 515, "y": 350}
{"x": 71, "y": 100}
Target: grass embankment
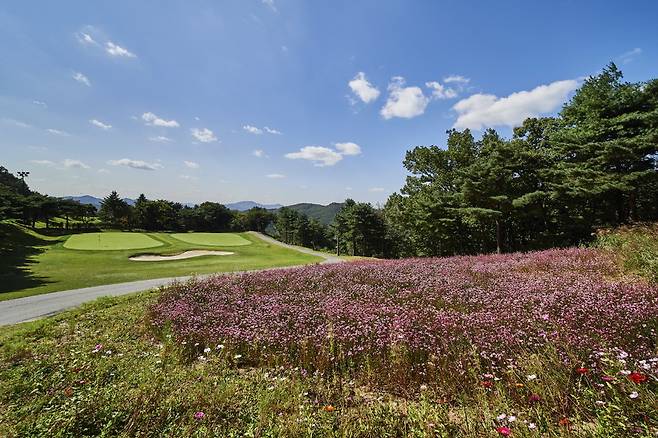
{"x": 636, "y": 248}
{"x": 106, "y": 370}
{"x": 31, "y": 263}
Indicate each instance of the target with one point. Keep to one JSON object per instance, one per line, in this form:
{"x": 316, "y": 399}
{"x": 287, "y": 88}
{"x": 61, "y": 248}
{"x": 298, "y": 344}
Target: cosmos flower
{"x": 637, "y": 377}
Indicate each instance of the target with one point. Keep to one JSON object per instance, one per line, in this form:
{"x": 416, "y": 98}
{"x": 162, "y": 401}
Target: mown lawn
{"x": 31, "y": 263}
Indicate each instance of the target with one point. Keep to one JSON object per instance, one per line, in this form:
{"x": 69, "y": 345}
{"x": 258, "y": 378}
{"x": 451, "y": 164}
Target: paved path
{"x": 39, "y": 306}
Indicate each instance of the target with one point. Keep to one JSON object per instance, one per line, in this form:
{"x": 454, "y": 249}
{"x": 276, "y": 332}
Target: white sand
{"x": 181, "y": 256}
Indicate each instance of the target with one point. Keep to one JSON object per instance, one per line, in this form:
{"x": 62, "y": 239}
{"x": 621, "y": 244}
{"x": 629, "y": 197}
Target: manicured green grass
{"x": 110, "y": 241}
{"x": 32, "y": 264}
{"x": 212, "y": 239}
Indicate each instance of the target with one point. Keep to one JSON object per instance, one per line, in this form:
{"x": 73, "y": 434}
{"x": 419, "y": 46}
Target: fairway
{"x": 110, "y": 241}
{"x": 212, "y": 239}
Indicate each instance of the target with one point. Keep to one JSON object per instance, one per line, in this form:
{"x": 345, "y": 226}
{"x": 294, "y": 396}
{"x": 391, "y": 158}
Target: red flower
{"x": 486, "y": 383}
{"x": 564, "y": 422}
{"x": 582, "y": 370}
{"x": 504, "y": 431}
{"x": 637, "y": 377}
{"x": 534, "y": 398}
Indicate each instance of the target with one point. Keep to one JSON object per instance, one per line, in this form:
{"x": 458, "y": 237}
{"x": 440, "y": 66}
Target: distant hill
{"x": 248, "y": 205}
{"x": 323, "y": 213}
{"x": 92, "y": 200}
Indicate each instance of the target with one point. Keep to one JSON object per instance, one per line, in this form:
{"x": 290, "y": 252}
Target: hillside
{"x": 324, "y": 213}
{"x": 248, "y": 205}
{"x": 92, "y": 200}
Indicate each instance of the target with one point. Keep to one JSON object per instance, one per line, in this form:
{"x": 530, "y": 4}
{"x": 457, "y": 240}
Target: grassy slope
{"x": 323, "y": 213}
{"x": 33, "y": 264}
{"x": 139, "y": 384}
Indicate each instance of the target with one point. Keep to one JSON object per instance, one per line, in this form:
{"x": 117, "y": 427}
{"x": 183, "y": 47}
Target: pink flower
{"x": 504, "y": 430}
{"x": 534, "y": 398}
{"x": 97, "y": 348}
{"x": 607, "y": 378}
{"x": 199, "y": 415}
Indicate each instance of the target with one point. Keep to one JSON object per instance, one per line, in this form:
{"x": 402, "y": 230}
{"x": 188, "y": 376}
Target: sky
{"x": 285, "y": 101}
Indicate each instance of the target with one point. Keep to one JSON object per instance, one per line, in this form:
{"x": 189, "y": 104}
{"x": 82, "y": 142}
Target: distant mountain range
{"x": 248, "y": 205}
{"x": 92, "y": 200}
{"x": 323, "y": 213}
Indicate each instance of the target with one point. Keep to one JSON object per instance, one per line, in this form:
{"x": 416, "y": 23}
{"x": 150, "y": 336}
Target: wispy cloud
{"x": 153, "y": 120}
{"x": 135, "y": 164}
{"x": 270, "y": 4}
{"x": 275, "y": 176}
{"x": 161, "y": 139}
{"x": 204, "y": 135}
{"x": 58, "y": 132}
{"x": 258, "y": 153}
{"x": 43, "y": 162}
{"x": 82, "y": 79}
{"x": 629, "y": 56}
{"x": 116, "y": 50}
{"x": 40, "y": 103}
{"x": 191, "y": 164}
{"x": 15, "y": 122}
{"x": 100, "y": 124}
{"x": 252, "y": 129}
{"x": 77, "y": 164}
{"x": 85, "y": 39}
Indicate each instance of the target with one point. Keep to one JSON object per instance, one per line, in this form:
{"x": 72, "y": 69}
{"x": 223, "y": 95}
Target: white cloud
{"x": 160, "y": 139}
{"x": 457, "y": 79}
{"x": 319, "y": 155}
{"x": 135, "y": 164}
{"x": 441, "y": 91}
{"x": 258, "y": 153}
{"x": 376, "y": 189}
{"x": 270, "y": 4}
{"x": 252, "y": 129}
{"x": 117, "y": 50}
{"x": 58, "y": 132}
{"x": 43, "y": 162}
{"x": 275, "y": 176}
{"x": 103, "y": 171}
{"x": 16, "y": 123}
{"x": 191, "y": 164}
{"x": 82, "y": 79}
{"x": 153, "y": 120}
{"x": 204, "y": 135}
{"x": 487, "y": 110}
{"x": 348, "y": 148}
{"x": 322, "y": 156}
{"x": 188, "y": 177}
{"x": 404, "y": 102}
{"x": 77, "y": 164}
{"x": 630, "y": 55}
{"x": 272, "y": 130}
{"x": 363, "y": 89}
{"x": 85, "y": 38}
{"x": 100, "y": 124}
{"x": 40, "y": 103}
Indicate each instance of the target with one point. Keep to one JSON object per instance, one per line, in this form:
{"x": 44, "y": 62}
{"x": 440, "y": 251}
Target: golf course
{"x": 37, "y": 264}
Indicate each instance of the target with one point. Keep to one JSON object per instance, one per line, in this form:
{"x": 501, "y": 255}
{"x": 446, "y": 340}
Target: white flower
{"x": 511, "y": 418}
{"x": 634, "y": 394}
{"x": 196, "y": 344}
{"x": 202, "y": 358}
{"x": 237, "y": 356}
{"x": 532, "y": 426}
{"x": 600, "y": 402}
{"x": 501, "y": 417}
{"x": 219, "y": 346}
{"x": 206, "y": 350}
{"x": 531, "y": 376}
{"x": 624, "y": 372}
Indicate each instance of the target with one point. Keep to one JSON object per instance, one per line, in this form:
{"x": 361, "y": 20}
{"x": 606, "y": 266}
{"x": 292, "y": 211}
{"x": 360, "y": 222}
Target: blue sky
{"x": 284, "y": 100}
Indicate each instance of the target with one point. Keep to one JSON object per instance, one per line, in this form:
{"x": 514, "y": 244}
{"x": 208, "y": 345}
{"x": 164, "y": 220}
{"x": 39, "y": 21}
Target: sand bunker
{"x": 181, "y": 256}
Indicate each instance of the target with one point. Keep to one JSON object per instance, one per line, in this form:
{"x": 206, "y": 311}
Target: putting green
{"x": 110, "y": 241}
{"x": 212, "y": 239}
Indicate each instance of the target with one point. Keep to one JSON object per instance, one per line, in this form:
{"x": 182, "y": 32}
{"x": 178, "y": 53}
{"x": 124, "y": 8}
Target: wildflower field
{"x": 552, "y": 343}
